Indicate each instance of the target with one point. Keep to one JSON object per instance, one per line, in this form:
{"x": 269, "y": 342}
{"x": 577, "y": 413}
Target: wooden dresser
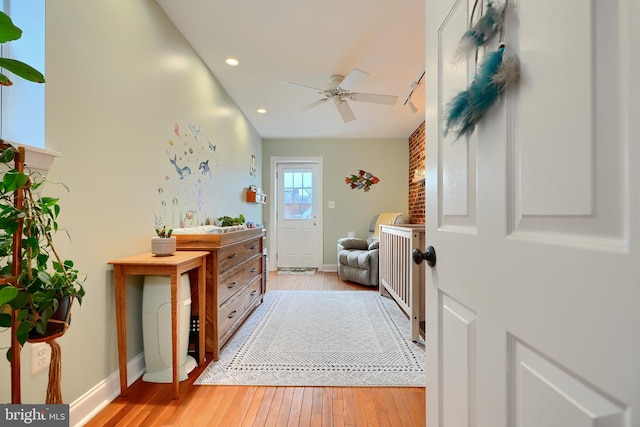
{"x": 234, "y": 280}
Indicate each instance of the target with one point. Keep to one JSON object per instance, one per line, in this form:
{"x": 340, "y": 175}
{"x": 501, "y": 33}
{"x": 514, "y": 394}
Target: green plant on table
{"x": 226, "y": 221}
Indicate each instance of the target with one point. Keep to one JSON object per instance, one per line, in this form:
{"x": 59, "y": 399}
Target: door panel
{"x": 298, "y": 216}
{"x": 532, "y": 307}
{"x": 458, "y": 170}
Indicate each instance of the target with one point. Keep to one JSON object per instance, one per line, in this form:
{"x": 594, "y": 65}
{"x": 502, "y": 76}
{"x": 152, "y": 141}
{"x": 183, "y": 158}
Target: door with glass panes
{"x": 297, "y": 216}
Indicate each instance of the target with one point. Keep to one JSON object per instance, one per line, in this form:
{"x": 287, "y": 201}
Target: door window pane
{"x": 298, "y": 192}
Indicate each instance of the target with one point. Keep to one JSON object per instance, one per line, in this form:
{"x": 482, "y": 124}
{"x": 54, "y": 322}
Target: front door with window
{"x": 298, "y": 216}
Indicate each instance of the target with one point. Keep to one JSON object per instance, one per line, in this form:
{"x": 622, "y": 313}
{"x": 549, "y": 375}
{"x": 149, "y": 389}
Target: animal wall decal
{"x": 252, "y": 168}
{"x": 187, "y": 193}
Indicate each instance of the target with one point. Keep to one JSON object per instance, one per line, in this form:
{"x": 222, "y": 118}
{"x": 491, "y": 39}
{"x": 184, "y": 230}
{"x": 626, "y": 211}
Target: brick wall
{"x": 416, "y": 188}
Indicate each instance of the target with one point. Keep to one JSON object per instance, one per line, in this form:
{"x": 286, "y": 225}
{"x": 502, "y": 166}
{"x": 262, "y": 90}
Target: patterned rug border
{"x": 229, "y": 370}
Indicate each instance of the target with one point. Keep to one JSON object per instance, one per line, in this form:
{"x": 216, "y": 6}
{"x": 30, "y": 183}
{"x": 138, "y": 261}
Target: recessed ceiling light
{"x": 261, "y": 110}
{"x": 232, "y": 61}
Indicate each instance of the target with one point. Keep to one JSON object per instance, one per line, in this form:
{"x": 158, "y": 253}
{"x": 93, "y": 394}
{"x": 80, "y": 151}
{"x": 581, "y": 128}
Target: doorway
{"x": 296, "y": 213}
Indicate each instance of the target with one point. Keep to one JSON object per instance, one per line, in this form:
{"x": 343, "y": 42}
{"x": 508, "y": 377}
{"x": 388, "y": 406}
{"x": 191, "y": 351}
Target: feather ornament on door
{"x": 498, "y": 71}
{"x": 480, "y": 33}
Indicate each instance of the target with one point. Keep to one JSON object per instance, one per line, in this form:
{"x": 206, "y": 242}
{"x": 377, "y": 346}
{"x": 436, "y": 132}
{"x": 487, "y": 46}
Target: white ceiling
{"x": 306, "y": 42}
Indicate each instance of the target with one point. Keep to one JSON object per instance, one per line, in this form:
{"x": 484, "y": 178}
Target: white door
{"x": 533, "y": 306}
{"x": 298, "y": 219}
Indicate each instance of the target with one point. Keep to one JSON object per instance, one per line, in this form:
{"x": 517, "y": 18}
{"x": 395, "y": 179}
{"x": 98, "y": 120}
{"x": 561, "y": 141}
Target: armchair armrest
{"x": 353, "y": 243}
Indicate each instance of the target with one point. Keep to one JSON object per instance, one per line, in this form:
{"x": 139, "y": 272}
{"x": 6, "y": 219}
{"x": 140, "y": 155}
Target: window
{"x": 22, "y": 105}
{"x": 298, "y": 192}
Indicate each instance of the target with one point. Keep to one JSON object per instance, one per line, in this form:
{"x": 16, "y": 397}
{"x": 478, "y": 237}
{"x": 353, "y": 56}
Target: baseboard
{"x": 93, "y": 401}
{"x": 329, "y": 268}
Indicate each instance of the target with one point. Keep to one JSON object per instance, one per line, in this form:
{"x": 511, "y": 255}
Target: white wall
{"x": 119, "y": 78}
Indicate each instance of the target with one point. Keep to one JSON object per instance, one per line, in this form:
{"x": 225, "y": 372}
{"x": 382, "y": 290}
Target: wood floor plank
{"x": 307, "y": 404}
{"x": 152, "y": 405}
{"x": 295, "y": 411}
{"x": 254, "y": 407}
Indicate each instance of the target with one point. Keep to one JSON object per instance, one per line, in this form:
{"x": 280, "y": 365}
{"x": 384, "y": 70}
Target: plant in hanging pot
{"x": 164, "y": 244}
{"x": 45, "y": 285}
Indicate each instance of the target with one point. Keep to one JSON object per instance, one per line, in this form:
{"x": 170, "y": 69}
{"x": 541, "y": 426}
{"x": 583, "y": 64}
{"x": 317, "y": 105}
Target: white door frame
{"x": 273, "y": 223}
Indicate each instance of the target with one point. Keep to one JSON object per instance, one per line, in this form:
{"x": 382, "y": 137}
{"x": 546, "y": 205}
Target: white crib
{"x": 400, "y": 277}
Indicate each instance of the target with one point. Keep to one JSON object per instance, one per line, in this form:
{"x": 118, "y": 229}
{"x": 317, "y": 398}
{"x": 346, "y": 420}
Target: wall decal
{"x": 362, "y": 181}
{"x": 186, "y": 196}
{"x": 252, "y": 168}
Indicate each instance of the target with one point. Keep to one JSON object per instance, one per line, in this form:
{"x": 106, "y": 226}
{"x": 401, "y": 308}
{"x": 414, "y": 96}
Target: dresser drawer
{"x": 252, "y": 247}
{"x": 236, "y": 277}
{"x": 230, "y": 256}
{"x": 234, "y": 309}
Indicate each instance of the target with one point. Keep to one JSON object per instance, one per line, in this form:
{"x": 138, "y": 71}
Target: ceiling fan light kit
{"x": 339, "y": 91}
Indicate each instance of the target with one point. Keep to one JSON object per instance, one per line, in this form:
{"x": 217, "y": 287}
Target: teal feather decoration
{"x": 481, "y": 32}
{"x": 497, "y": 72}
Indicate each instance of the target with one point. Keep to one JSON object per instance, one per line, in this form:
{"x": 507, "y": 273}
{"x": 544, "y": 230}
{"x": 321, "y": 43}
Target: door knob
{"x": 428, "y": 255}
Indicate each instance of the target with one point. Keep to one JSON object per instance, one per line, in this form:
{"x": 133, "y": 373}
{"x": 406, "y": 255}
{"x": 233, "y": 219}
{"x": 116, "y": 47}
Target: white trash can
{"x": 156, "y": 329}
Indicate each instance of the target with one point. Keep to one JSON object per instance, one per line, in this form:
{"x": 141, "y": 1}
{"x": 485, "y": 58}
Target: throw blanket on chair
{"x": 385, "y": 218}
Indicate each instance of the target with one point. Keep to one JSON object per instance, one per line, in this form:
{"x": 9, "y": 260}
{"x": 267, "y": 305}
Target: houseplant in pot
{"x": 36, "y": 283}
{"x": 164, "y": 244}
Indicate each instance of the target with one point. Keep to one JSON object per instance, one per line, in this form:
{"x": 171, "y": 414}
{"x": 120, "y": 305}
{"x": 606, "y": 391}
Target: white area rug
{"x": 321, "y": 338}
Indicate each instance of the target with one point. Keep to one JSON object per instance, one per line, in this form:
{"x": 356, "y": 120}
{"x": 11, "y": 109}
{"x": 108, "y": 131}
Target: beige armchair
{"x": 358, "y": 258}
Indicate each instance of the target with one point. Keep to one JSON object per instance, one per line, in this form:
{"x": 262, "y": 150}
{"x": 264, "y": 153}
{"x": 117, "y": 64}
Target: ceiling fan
{"x": 338, "y": 90}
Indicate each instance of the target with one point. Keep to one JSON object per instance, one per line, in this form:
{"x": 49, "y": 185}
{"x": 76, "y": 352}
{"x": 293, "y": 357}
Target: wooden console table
{"x": 149, "y": 265}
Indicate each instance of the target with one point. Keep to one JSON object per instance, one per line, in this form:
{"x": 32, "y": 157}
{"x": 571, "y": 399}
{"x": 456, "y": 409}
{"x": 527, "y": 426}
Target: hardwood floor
{"x": 150, "y": 404}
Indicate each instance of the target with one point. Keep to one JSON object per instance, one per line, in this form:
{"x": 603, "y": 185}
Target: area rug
{"x": 296, "y": 270}
{"x": 321, "y": 338}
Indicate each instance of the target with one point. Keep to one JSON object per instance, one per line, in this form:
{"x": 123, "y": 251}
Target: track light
{"x": 407, "y": 99}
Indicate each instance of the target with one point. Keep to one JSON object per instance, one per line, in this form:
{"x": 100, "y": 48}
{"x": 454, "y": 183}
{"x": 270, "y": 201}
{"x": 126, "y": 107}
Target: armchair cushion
{"x": 352, "y": 243}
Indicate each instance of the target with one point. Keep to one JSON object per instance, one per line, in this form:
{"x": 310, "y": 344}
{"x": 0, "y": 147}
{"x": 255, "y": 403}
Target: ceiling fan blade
{"x": 314, "y": 89}
{"x": 314, "y": 104}
{"x": 345, "y": 111}
{"x": 372, "y": 97}
{"x": 353, "y": 79}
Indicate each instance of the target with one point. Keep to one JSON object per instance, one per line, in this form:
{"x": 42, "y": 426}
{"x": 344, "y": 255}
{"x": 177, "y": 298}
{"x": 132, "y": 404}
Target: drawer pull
{"x": 255, "y": 291}
{"x": 232, "y": 285}
{"x": 233, "y": 313}
{"x": 232, "y": 256}
{"x": 253, "y": 247}
{"x": 254, "y": 269}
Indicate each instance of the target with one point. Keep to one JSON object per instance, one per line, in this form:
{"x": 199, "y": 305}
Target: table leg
{"x": 202, "y": 307}
{"x": 119, "y": 278}
{"x": 174, "y": 332}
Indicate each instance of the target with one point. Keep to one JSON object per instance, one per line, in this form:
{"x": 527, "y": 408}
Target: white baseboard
{"x": 93, "y": 401}
{"x": 329, "y": 267}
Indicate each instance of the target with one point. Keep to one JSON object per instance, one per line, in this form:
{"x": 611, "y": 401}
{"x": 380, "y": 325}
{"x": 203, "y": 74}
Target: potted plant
{"x": 164, "y": 244}
{"x": 35, "y": 281}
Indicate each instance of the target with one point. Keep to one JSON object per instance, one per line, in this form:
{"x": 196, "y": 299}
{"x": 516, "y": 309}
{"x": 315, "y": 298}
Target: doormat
{"x": 322, "y": 339}
{"x": 296, "y": 270}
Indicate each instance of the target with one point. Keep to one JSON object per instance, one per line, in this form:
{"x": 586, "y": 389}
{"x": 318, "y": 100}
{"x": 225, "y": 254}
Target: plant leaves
{"x": 13, "y": 180}
{"x": 8, "y": 31}
{"x": 7, "y": 294}
{"x": 7, "y": 155}
{"x": 21, "y": 69}
{"x": 5, "y": 320}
